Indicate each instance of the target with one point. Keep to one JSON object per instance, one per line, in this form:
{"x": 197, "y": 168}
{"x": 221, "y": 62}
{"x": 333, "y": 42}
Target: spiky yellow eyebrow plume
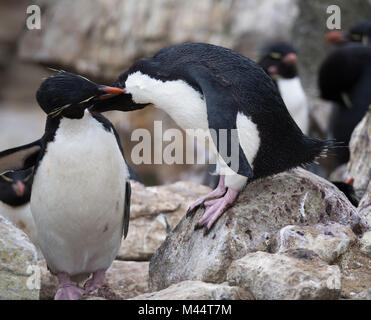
{"x": 55, "y": 112}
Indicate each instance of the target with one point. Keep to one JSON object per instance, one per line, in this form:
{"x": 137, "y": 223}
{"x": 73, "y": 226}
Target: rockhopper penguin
{"x": 80, "y": 197}
{"x": 15, "y": 194}
{"x": 279, "y": 61}
{"x": 345, "y": 79}
{"x": 359, "y": 33}
{"x": 203, "y": 86}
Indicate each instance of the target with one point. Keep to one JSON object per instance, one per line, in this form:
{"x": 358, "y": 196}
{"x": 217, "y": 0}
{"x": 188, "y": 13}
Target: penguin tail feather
{"x": 316, "y": 149}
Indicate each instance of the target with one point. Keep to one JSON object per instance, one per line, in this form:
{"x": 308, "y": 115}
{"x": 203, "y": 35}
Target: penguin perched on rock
{"x": 203, "y": 86}
{"x": 345, "y": 78}
{"x": 80, "y": 197}
{"x": 279, "y": 61}
{"x": 15, "y": 194}
{"x": 359, "y": 33}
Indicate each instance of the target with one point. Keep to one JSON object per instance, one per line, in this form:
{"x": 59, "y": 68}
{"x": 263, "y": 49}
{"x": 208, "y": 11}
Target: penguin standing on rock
{"x": 203, "y": 86}
{"x": 15, "y": 194}
{"x": 279, "y": 61}
{"x": 80, "y": 197}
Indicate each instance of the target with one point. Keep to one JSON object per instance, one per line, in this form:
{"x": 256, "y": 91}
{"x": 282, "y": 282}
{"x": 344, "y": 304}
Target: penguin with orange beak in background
{"x": 359, "y": 33}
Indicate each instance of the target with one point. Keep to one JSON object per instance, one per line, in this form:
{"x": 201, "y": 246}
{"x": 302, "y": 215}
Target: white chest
{"x": 295, "y": 100}
{"x": 183, "y": 103}
{"x": 21, "y": 217}
{"x": 78, "y": 197}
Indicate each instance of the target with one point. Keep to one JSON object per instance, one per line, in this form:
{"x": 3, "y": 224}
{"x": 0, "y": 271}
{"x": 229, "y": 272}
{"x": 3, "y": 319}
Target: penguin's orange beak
{"x": 18, "y": 188}
{"x": 335, "y": 37}
{"x": 290, "y": 58}
{"x": 109, "y": 92}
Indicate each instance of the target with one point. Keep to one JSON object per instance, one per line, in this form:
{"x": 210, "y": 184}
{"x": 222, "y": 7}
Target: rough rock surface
{"x": 364, "y": 207}
{"x": 124, "y": 280}
{"x": 18, "y": 260}
{"x": 363, "y": 295}
{"x": 198, "y": 290}
{"x": 355, "y": 267}
{"x": 365, "y": 243}
{"x": 263, "y": 208}
{"x": 154, "y": 212}
{"x": 328, "y": 241}
{"x": 298, "y": 274}
{"x": 359, "y": 166}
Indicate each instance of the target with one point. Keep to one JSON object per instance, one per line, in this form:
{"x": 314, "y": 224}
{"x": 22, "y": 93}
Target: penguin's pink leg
{"x": 96, "y": 281}
{"x": 217, "y": 209}
{"x": 67, "y": 289}
{"x": 218, "y": 192}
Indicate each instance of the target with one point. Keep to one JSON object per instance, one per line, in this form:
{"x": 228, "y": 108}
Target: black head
{"x": 15, "y": 187}
{"x": 359, "y": 33}
{"x": 121, "y": 102}
{"x": 67, "y": 95}
{"x": 279, "y": 59}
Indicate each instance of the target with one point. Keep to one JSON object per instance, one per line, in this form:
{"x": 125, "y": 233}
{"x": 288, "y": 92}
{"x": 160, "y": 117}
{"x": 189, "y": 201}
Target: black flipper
{"x": 20, "y": 158}
{"x": 221, "y": 114}
{"x": 127, "y": 209}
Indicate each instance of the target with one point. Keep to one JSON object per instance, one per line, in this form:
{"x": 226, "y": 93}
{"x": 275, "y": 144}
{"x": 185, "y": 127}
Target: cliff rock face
{"x": 101, "y": 38}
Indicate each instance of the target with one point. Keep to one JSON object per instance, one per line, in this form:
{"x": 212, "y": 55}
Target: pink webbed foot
{"x": 218, "y": 192}
{"x": 67, "y": 290}
{"x": 215, "y": 208}
{"x": 96, "y": 281}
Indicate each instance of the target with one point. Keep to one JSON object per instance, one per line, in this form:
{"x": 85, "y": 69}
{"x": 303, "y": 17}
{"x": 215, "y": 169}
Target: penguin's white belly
{"x": 295, "y": 100}
{"x": 78, "y": 197}
{"x": 188, "y": 109}
{"x": 177, "y": 98}
{"x": 21, "y": 217}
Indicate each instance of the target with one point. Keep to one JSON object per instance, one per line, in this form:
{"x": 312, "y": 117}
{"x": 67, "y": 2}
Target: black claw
{"x": 191, "y": 212}
{"x": 206, "y": 230}
{"x": 197, "y": 226}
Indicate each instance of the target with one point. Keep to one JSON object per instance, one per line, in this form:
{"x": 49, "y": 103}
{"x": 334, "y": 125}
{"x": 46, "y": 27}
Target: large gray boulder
{"x": 252, "y": 224}
{"x": 19, "y": 278}
{"x": 298, "y": 274}
{"x": 329, "y": 241}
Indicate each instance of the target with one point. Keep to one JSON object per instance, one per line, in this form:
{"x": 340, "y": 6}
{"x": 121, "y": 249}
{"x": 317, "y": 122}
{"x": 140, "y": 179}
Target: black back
{"x": 347, "y": 70}
{"x": 361, "y": 32}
